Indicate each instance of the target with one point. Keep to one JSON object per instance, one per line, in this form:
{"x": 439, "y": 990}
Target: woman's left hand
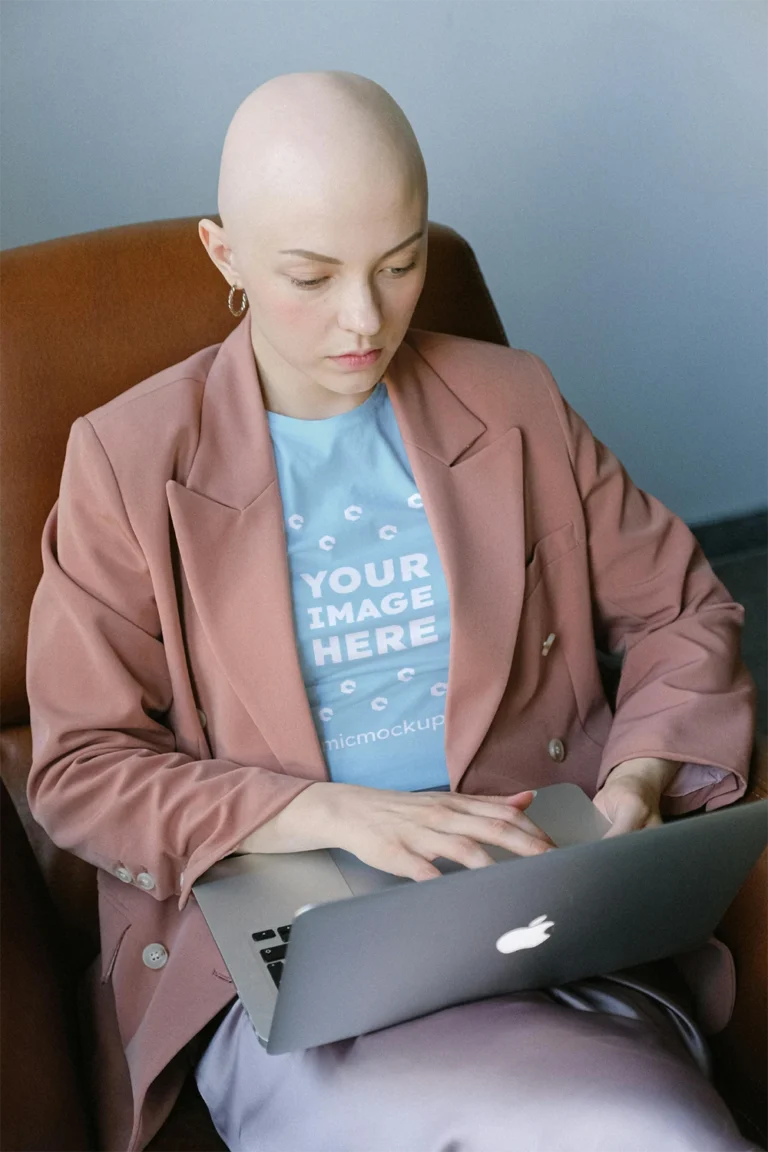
{"x": 631, "y": 795}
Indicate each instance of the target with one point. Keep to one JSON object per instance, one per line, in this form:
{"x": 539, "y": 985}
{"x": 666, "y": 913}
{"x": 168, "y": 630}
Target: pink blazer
{"x": 169, "y": 715}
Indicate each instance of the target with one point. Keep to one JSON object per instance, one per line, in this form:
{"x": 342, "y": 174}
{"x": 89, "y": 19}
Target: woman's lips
{"x": 357, "y": 361}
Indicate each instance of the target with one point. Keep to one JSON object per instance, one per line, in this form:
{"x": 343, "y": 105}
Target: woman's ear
{"x": 214, "y": 240}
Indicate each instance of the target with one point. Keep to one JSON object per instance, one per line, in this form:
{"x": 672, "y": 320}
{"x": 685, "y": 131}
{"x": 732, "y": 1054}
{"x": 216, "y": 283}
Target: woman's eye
{"x": 316, "y": 283}
{"x": 306, "y": 283}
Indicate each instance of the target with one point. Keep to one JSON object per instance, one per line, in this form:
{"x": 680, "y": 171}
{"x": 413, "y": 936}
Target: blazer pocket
{"x": 113, "y": 924}
{"x": 545, "y": 551}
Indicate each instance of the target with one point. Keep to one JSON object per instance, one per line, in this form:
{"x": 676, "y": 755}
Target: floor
{"x": 746, "y": 577}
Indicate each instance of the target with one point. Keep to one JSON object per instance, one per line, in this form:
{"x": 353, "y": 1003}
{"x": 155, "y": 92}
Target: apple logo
{"x": 531, "y": 936}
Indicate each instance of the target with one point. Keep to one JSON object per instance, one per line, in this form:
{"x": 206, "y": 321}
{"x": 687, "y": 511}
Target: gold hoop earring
{"x": 244, "y": 303}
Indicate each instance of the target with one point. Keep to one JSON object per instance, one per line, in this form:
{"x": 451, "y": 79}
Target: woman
{"x": 264, "y": 563}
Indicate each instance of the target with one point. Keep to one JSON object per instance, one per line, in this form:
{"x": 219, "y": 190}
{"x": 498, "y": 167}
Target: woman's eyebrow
{"x": 332, "y": 259}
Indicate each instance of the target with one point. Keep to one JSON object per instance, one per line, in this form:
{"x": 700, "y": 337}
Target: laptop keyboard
{"x": 274, "y": 954}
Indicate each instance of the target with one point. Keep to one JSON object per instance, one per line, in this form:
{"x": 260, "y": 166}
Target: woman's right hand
{"x": 402, "y": 832}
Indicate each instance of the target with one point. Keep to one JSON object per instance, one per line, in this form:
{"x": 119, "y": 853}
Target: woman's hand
{"x": 631, "y": 795}
{"x": 401, "y": 832}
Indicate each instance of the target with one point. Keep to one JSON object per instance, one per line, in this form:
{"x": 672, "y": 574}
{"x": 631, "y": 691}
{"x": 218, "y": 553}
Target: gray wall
{"x": 607, "y": 161}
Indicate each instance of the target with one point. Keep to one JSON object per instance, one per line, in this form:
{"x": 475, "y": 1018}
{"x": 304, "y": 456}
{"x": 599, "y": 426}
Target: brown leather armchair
{"x": 83, "y": 319}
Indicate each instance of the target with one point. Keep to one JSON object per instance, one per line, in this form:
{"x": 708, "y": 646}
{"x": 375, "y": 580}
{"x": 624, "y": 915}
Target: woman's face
{"x": 356, "y": 290}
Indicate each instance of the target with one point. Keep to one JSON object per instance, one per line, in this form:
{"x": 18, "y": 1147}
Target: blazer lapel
{"x": 228, "y": 520}
{"x": 471, "y": 485}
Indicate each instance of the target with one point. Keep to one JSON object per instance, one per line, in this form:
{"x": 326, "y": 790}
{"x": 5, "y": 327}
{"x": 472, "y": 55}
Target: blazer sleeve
{"x": 106, "y": 782}
{"x": 685, "y": 693}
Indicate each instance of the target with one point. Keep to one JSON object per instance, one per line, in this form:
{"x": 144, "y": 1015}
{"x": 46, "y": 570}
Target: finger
{"x": 518, "y": 799}
{"x": 628, "y": 816}
{"x": 502, "y": 833}
{"x": 518, "y": 819}
{"x": 499, "y": 811}
{"x": 521, "y": 799}
{"x": 463, "y": 849}
{"x": 412, "y": 865}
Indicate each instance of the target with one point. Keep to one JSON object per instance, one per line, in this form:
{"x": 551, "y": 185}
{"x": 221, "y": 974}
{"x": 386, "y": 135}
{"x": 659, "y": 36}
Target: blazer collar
{"x": 234, "y": 461}
{"x": 228, "y": 520}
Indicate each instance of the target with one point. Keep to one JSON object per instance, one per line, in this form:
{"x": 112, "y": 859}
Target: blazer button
{"x": 556, "y": 749}
{"x": 155, "y": 956}
{"x": 202, "y": 717}
{"x": 548, "y": 644}
{"x": 146, "y": 881}
{"x": 124, "y": 874}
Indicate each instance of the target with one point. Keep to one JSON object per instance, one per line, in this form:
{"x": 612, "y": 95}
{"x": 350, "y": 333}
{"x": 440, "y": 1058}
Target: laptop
{"x": 322, "y": 947}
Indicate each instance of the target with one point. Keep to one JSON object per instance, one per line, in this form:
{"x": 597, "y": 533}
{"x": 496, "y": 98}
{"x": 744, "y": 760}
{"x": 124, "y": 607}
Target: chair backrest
{"x": 82, "y": 319}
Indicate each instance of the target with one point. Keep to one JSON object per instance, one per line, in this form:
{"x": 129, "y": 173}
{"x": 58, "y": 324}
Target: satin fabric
{"x": 610, "y": 1064}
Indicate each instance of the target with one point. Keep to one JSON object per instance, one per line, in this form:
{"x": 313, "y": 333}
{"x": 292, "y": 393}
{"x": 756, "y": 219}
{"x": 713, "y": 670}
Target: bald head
{"x": 318, "y": 143}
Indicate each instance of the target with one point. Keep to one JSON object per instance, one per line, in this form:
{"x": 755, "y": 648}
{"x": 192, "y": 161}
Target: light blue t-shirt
{"x": 370, "y": 602}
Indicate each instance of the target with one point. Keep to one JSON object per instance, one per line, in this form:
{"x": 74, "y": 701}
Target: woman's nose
{"x": 361, "y": 312}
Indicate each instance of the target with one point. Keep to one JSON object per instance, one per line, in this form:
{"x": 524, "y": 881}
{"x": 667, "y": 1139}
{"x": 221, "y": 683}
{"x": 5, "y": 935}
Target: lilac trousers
{"x": 595, "y": 1066}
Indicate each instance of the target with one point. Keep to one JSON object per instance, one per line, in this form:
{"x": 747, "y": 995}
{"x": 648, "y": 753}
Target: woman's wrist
{"x": 298, "y": 827}
{"x": 652, "y": 770}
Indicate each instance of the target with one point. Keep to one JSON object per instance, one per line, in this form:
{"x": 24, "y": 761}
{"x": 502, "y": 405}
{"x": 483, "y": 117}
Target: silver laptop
{"x": 368, "y": 949}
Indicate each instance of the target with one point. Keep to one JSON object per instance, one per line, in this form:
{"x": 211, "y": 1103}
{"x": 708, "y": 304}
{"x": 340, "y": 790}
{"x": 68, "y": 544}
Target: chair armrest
{"x": 758, "y": 780}
{"x": 740, "y": 1051}
{"x": 42, "y": 1099}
